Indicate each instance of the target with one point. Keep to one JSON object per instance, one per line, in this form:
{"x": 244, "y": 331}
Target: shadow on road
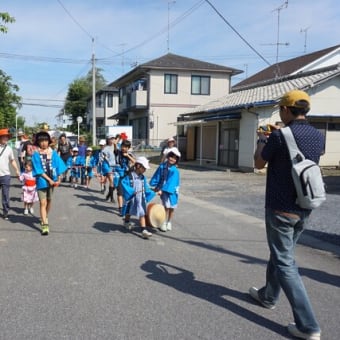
{"x": 185, "y": 282}
{"x": 313, "y": 274}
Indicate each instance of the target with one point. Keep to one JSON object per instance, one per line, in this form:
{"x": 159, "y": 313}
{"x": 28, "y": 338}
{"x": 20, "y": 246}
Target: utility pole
{"x": 94, "y": 125}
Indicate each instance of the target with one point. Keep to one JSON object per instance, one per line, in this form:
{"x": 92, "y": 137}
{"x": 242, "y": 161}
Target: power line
{"x": 162, "y": 31}
{"x": 75, "y": 21}
{"x": 40, "y": 58}
{"x": 43, "y": 105}
{"x": 243, "y": 39}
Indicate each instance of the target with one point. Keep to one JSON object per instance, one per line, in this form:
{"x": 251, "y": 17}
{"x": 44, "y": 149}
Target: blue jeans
{"x": 282, "y": 235}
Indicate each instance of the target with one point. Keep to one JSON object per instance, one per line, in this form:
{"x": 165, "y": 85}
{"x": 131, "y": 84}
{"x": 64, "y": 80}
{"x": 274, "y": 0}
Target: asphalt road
{"x": 91, "y": 279}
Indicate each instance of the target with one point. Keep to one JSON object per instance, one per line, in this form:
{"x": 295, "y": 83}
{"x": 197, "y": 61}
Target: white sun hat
{"x": 144, "y": 161}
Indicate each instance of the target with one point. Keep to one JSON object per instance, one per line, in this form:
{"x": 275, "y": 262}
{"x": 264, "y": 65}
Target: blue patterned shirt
{"x": 280, "y": 190}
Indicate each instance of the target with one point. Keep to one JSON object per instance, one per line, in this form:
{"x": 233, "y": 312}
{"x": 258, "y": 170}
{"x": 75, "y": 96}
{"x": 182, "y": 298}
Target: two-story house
{"x": 153, "y": 94}
{"x": 106, "y": 107}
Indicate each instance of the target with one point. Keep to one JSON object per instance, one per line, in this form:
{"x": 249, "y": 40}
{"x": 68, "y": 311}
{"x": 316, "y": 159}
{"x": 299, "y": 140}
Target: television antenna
{"x": 279, "y": 9}
{"x": 278, "y": 43}
{"x": 170, "y": 2}
{"x": 304, "y": 30}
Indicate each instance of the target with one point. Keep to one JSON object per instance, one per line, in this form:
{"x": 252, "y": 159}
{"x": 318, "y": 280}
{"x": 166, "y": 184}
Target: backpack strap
{"x": 294, "y": 151}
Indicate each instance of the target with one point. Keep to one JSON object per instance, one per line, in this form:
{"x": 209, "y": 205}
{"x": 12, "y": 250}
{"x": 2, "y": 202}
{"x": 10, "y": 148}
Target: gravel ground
{"x": 244, "y": 192}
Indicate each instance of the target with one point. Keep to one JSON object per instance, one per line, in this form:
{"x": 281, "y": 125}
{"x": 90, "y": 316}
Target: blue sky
{"x": 50, "y": 44}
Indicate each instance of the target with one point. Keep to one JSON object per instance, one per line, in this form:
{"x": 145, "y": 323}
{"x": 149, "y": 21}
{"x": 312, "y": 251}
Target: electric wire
{"x": 75, "y": 21}
{"x": 161, "y": 32}
{"x": 239, "y": 35}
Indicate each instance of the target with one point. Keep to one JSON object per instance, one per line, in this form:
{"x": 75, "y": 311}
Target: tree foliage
{"x": 79, "y": 92}
{"x": 9, "y": 100}
{"x": 5, "y": 18}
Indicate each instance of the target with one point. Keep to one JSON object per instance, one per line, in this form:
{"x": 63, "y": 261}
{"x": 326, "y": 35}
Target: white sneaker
{"x": 31, "y": 211}
{"x": 26, "y": 212}
{"x": 169, "y": 226}
{"x": 146, "y": 234}
{"x": 75, "y": 186}
{"x": 163, "y": 227}
{"x": 292, "y": 329}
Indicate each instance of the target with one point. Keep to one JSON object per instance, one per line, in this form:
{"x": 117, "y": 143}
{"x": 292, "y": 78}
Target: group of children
{"x": 43, "y": 172}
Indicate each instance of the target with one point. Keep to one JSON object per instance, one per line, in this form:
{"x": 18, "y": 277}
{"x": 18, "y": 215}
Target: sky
{"x": 52, "y": 42}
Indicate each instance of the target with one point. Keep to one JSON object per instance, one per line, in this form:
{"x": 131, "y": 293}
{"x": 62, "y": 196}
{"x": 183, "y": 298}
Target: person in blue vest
{"x": 76, "y": 163}
{"x": 166, "y": 182}
{"x": 47, "y": 167}
{"x": 137, "y": 194}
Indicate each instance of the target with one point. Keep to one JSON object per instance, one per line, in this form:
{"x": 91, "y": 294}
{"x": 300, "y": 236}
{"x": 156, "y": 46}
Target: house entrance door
{"x": 228, "y": 148}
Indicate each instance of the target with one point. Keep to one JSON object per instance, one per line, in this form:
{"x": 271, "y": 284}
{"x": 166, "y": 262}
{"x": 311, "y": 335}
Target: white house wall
{"x": 325, "y": 98}
{"x": 325, "y": 102}
{"x": 332, "y": 152}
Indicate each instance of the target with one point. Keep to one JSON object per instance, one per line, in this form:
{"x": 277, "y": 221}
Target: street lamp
{"x": 79, "y": 121}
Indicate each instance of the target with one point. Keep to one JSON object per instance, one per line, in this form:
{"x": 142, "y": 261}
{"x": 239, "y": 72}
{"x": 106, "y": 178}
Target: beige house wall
{"x": 165, "y": 108}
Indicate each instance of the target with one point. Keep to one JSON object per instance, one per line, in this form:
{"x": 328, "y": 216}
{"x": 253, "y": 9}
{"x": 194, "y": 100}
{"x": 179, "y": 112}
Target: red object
{"x": 30, "y": 182}
{"x": 123, "y": 136}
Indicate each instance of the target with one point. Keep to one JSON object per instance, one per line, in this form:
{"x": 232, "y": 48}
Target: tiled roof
{"x": 174, "y": 61}
{"x": 284, "y": 68}
{"x": 266, "y": 95}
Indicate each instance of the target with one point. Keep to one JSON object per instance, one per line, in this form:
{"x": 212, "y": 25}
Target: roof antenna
{"x": 305, "y": 32}
{"x": 279, "y": 9}
{"x": 168, "y": 39}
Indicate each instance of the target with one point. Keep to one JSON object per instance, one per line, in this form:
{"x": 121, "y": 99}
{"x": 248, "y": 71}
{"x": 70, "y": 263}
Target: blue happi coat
{"x": 167, "y": 179}
{"x": 56, "y": 168}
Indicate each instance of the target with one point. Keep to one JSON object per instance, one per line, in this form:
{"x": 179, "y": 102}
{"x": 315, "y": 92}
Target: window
{"x": 333, "y": 126}
{"x": 99, "y": 101}
{"x": 200, "y": 85}
{"x": 122, "y": 93}
{"x": 110, "y": 100}
{"x": 170, "y": 83}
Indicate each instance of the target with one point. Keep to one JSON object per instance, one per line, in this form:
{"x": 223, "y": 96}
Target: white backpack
{"x": 307, "y": 176}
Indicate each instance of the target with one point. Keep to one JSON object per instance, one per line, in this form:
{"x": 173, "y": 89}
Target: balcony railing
{"x": 137, "y": 98}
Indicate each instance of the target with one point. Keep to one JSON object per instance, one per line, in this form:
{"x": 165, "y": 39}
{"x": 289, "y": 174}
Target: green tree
{"x": 9, "y": 100}
{"x": 5, "y": 18}
{"x": 79, "y": 92}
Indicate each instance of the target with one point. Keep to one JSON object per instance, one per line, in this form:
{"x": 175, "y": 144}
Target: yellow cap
{"x": 295, "y": 98}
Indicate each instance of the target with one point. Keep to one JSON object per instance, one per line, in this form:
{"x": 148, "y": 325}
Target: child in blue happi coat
{"x": 137, "y": 193}
{"x": 75, "y": 163}
{"x": 47, "y": 167}
{"x": 166, "y": 182}
{"x": 89, "y": 165}
{"x": 124, "y": 161}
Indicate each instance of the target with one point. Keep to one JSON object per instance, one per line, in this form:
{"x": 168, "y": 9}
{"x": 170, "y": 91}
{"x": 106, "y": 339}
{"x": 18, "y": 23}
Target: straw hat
{"x": 156, "y": 214}
{"x": 5, "y": 132}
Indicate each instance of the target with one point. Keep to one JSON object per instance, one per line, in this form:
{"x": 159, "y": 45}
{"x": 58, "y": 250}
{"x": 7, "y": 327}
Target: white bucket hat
{"x": 175, "y": 151}
{"x": 102, "y": 142}
{"x": 144, "y": 161}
